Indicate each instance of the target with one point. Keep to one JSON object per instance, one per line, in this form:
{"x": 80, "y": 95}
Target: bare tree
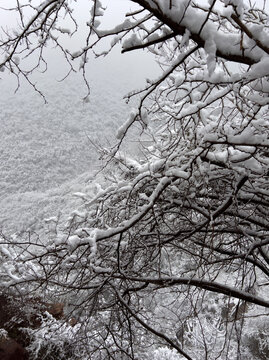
{"x": 172, "y": 251}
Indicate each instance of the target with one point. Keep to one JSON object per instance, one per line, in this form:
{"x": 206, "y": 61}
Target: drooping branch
{"x": 212, "y": 286}
{"x": 234, "y": 54}
{"x": 151, "y": 329}
{"x": 245, "y": 29}
{"x": 149, "y": 43}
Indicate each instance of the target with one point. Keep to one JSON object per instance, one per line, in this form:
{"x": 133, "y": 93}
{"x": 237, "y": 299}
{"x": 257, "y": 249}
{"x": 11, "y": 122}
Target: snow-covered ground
{"x": 45, "y": 151}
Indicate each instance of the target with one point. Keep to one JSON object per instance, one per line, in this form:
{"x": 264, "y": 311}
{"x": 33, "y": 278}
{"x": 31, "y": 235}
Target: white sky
{"x": 133, "y": 67}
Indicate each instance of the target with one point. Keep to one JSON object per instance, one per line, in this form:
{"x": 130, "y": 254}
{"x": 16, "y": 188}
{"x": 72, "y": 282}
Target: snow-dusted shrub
{"x": 164, "y": 353}
{"x": 3, "y": 333}
{"x": 256, "y": 340}
{"x": 53, "y": 339}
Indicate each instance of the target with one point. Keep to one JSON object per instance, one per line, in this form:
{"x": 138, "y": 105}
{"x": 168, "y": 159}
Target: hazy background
{"x": 45, "y": 152}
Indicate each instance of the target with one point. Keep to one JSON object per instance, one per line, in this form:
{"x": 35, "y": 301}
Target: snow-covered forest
{"x": 143, "y": 221}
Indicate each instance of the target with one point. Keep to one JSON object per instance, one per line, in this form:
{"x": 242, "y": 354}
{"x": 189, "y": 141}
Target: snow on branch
{"x": 170, "y": 246}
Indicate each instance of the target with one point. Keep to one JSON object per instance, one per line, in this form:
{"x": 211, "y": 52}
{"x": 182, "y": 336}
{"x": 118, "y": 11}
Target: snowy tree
{"x": 168, "y": 257}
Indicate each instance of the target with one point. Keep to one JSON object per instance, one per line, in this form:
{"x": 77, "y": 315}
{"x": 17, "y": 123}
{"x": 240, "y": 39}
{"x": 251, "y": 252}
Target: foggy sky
{"x": 133, "y": 67}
